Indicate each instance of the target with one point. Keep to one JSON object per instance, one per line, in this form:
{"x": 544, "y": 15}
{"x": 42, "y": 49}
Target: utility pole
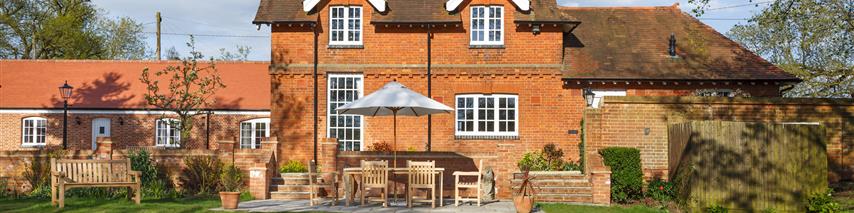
{"x": 157, "y": 16}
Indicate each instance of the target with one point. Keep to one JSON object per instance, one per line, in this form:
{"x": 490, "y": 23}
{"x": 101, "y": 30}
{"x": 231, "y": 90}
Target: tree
{"x": 241, "y": 55}
{"x": 65, "y": 29}
{"x": 190, "y": 89}
{"x": 123, "y": 39}
{"x": 810, "y": 39}
{"x": 172, "y": 54}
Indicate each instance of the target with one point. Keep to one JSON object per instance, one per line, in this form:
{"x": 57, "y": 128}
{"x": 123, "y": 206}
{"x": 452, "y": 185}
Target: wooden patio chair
{"x": 316, "y": 182}
{"x": 422, "y": 175}
{"x": 468, "y": 185}
{"x": 375, "y": 176}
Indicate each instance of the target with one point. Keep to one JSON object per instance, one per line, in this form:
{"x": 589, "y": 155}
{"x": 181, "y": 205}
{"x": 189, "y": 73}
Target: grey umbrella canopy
{"x": 394, "y": 99}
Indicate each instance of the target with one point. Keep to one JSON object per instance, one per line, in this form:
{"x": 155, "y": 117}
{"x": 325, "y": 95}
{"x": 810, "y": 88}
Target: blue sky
{"x": 234, "y": 17}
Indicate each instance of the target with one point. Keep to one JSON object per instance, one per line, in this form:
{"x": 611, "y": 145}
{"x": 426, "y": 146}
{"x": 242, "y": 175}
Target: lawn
{"x": 553, "y": 208}
{"x": 90, "y": 205}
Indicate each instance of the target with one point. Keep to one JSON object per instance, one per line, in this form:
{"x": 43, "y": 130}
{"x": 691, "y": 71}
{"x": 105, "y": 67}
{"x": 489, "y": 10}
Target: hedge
{"x": 626, "y": 173}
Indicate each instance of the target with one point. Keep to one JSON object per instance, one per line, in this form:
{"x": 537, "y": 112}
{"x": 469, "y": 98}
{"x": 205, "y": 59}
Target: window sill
{"x": 488, "y": 46}
{"x": 347, "y": 46}
{"x": 34, "y": 146}
{"x": 486, "y": 137}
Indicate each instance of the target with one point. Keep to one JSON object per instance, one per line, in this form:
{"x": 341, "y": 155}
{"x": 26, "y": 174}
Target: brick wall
{"x": 623, "y": 121}
{"x": 292, "y": 43}
{"x": 126, "y": 130}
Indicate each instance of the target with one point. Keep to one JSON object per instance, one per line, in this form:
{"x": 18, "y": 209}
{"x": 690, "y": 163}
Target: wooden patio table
{"x": 357, "y": 171}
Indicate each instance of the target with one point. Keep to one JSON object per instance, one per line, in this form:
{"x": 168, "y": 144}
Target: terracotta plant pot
{"x": 229, "y": 199}
{"x": 524, "y": 204}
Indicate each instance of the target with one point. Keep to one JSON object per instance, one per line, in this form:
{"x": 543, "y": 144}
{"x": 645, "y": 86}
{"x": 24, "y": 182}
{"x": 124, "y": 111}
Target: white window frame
{"x": 170, "y": 141}
{"x": 344, "y": 20}
{"x": 34, "y": 135}
{"x": 495, "y": 122}
{"x": 486, "y": 22}
{"x": 255, "y": 139}
{"x": 599, "y": 93}
{"x": 329, "y": 112}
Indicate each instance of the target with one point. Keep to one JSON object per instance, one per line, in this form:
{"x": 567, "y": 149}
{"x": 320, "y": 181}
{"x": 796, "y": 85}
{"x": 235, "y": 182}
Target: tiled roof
{"x": 282, "y": 11}
{"x": 28, "y": 84}
{"x": 544, "y": 11}
{"x": 415, "y": 11}
{"x": 632, "y": 43}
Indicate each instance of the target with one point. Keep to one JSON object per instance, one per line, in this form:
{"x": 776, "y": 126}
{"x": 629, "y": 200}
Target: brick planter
{"x": 557, "y": 186}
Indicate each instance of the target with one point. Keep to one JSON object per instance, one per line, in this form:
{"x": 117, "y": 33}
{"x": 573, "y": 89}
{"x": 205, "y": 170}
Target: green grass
{"x": 566, "y": 208}
{"x": 92, "y": 205}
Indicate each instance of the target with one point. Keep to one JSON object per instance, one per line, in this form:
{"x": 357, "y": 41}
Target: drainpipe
{"x": 208, "y": 129}
{"x": 316, "y": 34}
{"x": 429, "y": 88}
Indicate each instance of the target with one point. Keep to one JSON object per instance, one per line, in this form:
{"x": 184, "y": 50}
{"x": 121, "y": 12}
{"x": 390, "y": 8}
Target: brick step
{"x": 564, "y": 183}
{"x": 289, "y": 181}
{"x": 288, "y": 195}
{"x": 554, "y": 175}
{"x": 568, "y": 198}
{"x": 560, "y": 190}
{"x": 289, "y": 188}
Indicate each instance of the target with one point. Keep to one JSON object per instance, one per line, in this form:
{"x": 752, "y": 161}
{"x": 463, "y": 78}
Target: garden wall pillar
{"x": 259, "y": 183}
{"x": 104, "y": 148}
{"x": 600, "y": 179}
{"x": 271, "y": 144}
{"x": 328, "y": 156}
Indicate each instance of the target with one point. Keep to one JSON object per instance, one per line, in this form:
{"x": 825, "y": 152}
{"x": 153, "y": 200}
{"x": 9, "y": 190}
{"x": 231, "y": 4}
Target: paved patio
{"x": 302, "y": 206}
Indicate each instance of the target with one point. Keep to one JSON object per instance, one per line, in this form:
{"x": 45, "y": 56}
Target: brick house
{"x": 514, "y": 70}
{"x": 108, "y": 101}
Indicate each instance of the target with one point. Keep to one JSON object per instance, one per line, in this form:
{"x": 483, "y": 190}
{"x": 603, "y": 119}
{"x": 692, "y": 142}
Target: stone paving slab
{"x": 302, "y": 206}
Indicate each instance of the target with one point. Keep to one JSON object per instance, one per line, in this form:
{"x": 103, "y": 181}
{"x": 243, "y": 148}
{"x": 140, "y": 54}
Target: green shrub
{"x": 572, "y": 166}
{"x": 822, "y": 202}
{"x": 246, "y": 196}
{"x": 154, "y": 183}
{"x": 40, "y": 192}
{"x": 201, "y": 175}
{"x": 231, "y": 178}
{"x": 626, "y": 174}
{"x": 660, "y": 190}
{"x": 553, "y": 157}
{"x": 37, "y": 174}
{"x": 533, "y": 161}
{"x": 715, "y": 208}
{"x": 293, "y": 166}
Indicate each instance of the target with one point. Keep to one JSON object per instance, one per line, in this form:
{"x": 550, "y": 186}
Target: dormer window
{"x": 345, "y": 25}
{"x": 487, "y": 25}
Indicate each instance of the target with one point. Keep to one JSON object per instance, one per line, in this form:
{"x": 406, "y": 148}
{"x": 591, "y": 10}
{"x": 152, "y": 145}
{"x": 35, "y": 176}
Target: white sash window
{"x": 487, "y": 25}
{"x": 487, "y": 115}
{"x": 252, "y": 132}
{"x": 345, "y": 25}
{"x": 167, "y": 133}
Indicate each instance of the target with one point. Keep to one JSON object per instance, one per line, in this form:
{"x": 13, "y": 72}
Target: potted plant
{"x": 524, "y": 198}
{"x": 231, "y": 179}
{"x": 293, "y": 168}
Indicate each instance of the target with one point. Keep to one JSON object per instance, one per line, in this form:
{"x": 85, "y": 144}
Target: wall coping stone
{"x": 723, "y": 100}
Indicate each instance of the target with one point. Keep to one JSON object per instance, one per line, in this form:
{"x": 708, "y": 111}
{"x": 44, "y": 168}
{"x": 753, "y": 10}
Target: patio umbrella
{"x": 394, "y": 99}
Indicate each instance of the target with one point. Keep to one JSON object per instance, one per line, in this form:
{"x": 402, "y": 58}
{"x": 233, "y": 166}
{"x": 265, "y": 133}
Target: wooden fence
{"x": 747, "y": 166}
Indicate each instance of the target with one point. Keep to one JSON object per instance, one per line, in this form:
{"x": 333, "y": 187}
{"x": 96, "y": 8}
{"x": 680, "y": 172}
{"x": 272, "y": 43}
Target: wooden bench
{"x": 67, "y": 174}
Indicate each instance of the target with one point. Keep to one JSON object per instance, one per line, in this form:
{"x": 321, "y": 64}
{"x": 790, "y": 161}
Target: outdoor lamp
{"x": 65, "y": 92}
{"x": 588, "y": 96}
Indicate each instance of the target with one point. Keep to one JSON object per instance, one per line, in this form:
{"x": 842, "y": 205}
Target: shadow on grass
{"x": 91, "y": 205}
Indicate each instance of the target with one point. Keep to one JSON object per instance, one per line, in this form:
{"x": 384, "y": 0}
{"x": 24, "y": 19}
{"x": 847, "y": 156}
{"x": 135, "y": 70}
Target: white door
{"x": 100, "y": 128}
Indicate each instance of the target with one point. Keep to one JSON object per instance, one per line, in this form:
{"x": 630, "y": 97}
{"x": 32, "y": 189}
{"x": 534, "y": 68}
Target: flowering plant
{"x": 660, "y": 190}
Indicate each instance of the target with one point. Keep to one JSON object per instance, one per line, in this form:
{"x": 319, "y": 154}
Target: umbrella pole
{"x": 394, "y": 148}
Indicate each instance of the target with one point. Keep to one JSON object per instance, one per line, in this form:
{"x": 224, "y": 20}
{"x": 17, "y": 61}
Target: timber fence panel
{"x": 747, "y": 166}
